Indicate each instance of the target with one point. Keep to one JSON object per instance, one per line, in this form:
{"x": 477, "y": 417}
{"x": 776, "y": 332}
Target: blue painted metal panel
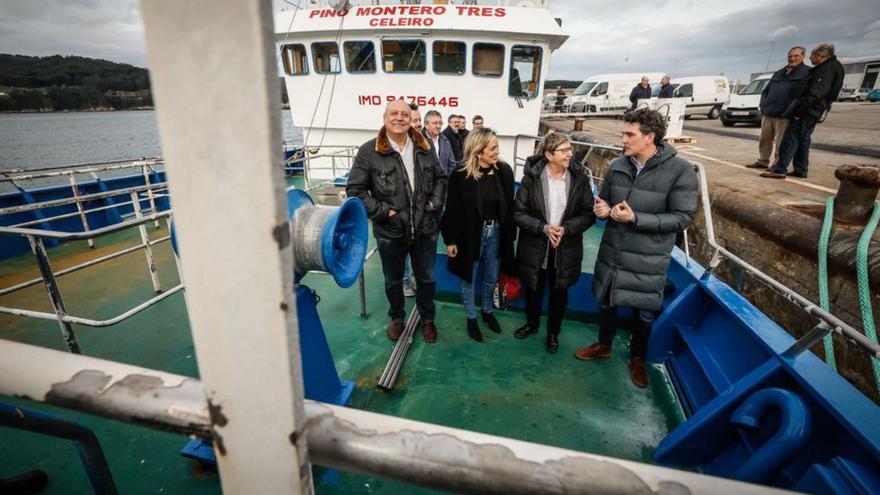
{"x": 14, "y": 245}
{"x": 719, "y": 351}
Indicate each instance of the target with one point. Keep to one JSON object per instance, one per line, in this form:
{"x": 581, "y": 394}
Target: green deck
{"x": 503, "y": 386}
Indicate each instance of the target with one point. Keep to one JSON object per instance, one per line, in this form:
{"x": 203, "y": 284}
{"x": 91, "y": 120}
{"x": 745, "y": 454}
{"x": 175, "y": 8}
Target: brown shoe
{"x": 637, "y": 372}
{"x": 595, "y": 351}
{"x": 395, "y": 329}
{"x": 429, "y": 332}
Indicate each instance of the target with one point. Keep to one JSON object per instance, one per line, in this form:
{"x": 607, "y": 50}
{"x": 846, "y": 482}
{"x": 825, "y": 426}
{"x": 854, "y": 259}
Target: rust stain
{"x": 217, "y": 416}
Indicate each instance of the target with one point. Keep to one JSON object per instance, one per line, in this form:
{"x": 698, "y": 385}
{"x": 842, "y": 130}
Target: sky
{"x": 680, "y": 37}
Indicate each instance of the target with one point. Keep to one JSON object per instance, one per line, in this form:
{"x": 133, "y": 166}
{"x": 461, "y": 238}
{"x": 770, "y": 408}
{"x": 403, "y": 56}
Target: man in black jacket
{"x": 808, "y": 109}
{"x": 640, "y": 92}
{"x": 403, "y": 186}
{"x": 778, "y": 94}
{"x": 649, "y": 195}
{"x": 666, "y": 89}
{"x": 455, "y": 141}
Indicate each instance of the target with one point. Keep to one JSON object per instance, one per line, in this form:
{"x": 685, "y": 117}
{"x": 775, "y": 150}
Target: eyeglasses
{"x": 564, "y": 150}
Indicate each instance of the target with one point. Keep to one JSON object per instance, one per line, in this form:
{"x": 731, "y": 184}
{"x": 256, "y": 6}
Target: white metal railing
{"x": 521, "y": 160}
{"x": 341, "y": 160}
{"x": 827, "y": 321}
{"x": 49, "y": 277}
{"x": 414, "y": 452}
{"x": 146, "y": 167}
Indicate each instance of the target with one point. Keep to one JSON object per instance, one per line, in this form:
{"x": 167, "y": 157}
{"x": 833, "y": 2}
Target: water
{"x": 52, "y": 139}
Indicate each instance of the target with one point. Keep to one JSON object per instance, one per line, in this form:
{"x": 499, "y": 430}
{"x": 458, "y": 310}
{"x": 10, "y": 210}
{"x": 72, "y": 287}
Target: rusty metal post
{"x": 79, "y": 207}
{"x": 578, "y": 125}
{"x": 857, "y": 193}
{"x": 54, "y": 291}
{"x": 145, "y": 240}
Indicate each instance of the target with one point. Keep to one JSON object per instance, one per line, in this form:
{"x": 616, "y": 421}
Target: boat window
{"x": 525, "y": 71}
{"x": 685, "y": 91}
{"x": 601, "y": 90}
{"x": 449, "y": 57}
{"x": 403, "y": 55}
{"x": 488, "y": 60}
{"x": 360, "y": 56}
{"x": 294, "y": 59}
{"x": 325, "y": 57}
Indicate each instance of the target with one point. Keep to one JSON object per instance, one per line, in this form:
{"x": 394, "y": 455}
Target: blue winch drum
{"x": 331, "y": 239}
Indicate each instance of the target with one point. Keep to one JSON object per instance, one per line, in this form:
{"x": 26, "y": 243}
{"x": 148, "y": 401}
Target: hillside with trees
{"x": 59, "y": 83}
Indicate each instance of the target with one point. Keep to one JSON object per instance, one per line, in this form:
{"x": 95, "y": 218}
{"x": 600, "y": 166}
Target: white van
{"x": 704, "y": 95}
{"x": 743, "y": 107}
{"x": 606, "y": 94}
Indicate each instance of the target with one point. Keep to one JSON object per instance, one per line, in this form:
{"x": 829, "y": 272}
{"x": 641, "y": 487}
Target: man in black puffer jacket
{"x": 808, "y": 109}
{"x": 399, "y": 179}
{"x": 649, "y": 195}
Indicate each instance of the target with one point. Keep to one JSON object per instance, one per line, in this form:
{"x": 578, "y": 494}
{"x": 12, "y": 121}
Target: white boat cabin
{"x": 342, "y": 67}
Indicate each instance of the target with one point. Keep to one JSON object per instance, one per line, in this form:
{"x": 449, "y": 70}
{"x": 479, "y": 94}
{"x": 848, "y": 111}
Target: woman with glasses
{"x": 478, "y": 225}
{"x": 553, "y": 208}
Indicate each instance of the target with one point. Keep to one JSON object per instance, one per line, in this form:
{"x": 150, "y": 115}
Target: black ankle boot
{"x": 490, "y": 320}
{"x": 473, "y": 330}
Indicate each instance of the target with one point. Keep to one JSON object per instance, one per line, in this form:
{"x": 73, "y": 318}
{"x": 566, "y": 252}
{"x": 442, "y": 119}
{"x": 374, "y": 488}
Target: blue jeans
{"x": 795, "y": 145}
{"x": 642, "y": 325}
{"x": 421, "y": 253}
{"x": 490, "y": 260}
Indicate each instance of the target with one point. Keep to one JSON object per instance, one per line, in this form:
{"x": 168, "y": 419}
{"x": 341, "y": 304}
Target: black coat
{"x": 378, "y": 177}
{"x": 456, "y": 142}
{"x": 530, "y": 215}
{"x": 463, "y": 221}
{"x": 666, "y": 91}
{"x": 639, "y": 93}
{"x": 782, "y": 89}
{"x": 634, "y": 257}
{"x": 819, "y": 91}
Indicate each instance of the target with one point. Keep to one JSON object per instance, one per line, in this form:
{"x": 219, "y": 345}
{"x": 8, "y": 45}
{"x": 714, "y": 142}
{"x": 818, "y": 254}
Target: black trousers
{"x": 535, "y": 299}
{"x": 644, "y": 321}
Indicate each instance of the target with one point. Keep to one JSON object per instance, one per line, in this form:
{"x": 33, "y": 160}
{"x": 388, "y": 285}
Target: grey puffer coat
{"x": 634, "y": 257}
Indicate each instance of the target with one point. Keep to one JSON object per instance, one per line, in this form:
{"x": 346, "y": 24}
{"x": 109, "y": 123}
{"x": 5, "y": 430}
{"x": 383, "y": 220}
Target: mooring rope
{"x": 864, "y": 285}
{"x": 824, "y": 302}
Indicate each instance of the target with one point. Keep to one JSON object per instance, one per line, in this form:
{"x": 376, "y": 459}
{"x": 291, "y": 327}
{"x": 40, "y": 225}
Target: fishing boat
{"x": 258, "y": 326}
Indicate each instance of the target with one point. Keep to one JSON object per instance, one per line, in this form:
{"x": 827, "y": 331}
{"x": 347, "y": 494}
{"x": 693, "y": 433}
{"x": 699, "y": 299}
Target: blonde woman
{"x": 477, "y": 226}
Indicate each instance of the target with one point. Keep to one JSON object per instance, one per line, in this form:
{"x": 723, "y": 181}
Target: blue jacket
{"x": 782, "y": 90}
{"x": 447, "y": 160}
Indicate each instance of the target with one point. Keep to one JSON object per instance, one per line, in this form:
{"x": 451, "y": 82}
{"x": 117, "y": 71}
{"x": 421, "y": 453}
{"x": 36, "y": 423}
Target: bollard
{"x": 579, "y": 125}
{"x": 858, "y": 189}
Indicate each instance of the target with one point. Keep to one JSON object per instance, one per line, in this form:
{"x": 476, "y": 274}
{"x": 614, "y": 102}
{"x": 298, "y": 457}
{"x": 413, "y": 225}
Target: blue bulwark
{"x": 753, "y": 414}
{"x": 12, "y": 245}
